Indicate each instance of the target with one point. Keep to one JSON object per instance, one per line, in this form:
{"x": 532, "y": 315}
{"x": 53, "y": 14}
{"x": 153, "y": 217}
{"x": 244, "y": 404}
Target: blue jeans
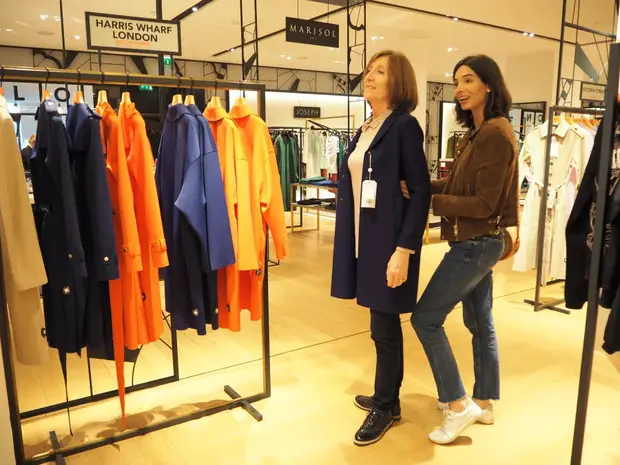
{"x": 464, "y": 275}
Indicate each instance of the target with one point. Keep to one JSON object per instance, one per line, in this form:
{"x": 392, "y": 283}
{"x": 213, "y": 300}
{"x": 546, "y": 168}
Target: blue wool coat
{"x": 195, "y": 219}
{"x": 397, "y": 154}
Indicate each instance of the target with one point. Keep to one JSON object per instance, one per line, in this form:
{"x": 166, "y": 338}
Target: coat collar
{"x": 177, "y": 111}
{"x": 240, "y": 110}
{"x": 560, "y": 130}
{"x": 215, "y": 113}
{"x": 386, "y": 126}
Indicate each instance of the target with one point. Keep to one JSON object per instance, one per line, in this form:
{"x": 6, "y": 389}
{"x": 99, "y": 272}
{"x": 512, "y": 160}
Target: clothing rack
{"x": 65, "y": 76}
{"x": 589, "y": 340}
{"x": 337, "y": 132}
{"x": 536, "y": 303}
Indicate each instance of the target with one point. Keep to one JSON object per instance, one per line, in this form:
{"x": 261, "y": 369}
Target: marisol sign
{"x": 113, "y": 32}
{"x": 305, "y": 31}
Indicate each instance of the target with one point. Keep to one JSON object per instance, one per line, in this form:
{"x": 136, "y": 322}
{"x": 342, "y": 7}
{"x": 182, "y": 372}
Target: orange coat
{"x": 266, "y": 203}
{"x": 125, "y": 294}
{"x": 236, "y": 176}
{"x": 150, "y": 229}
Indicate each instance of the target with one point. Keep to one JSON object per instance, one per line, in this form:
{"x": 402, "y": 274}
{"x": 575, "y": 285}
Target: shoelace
{"x": 371, "y": 418}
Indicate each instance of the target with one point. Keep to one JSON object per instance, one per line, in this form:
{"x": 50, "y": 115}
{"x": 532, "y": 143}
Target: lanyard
{"x": 369, "y": 165}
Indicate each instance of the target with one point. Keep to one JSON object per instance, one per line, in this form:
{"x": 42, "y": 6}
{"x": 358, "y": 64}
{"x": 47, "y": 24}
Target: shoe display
{"x": 365, "y": 403}
{"x": 374, "y": 427}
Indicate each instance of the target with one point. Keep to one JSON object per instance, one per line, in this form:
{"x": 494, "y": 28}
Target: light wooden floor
{"x": 322, "y": 357}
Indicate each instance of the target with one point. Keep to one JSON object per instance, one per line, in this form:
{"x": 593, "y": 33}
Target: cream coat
{"x": 569, "y": 155}
{"x": 23, "y": 269}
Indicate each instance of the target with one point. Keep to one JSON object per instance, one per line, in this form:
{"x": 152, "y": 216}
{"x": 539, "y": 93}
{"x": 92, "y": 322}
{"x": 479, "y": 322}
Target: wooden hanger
{"x": 215, "y": 102}
{"x": 126, "y": 98}
{"x": 190, "y": 100}
{"x": 45, "y": 95}
{"x": 102, "y": 97}
{"x": 240, "y": 102}
{"x": 177, "y": 99}
{"x": 1, "y": 91}
{"x": 78, "y": 97}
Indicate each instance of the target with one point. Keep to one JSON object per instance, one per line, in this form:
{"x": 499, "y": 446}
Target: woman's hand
{"x": 404, "y": 189}
{"x": 398, "y": 268}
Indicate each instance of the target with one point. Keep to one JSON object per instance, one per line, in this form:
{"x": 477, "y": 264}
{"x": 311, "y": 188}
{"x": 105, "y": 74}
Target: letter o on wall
{"x": 65, "y": 92}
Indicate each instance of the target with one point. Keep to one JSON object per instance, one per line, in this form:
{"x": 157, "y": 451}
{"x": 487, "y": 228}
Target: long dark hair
{"x": 498, "y": 102}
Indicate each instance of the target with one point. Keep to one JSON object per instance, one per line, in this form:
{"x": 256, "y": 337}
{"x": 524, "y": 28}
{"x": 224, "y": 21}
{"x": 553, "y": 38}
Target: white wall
{"x": 532, "y": 77}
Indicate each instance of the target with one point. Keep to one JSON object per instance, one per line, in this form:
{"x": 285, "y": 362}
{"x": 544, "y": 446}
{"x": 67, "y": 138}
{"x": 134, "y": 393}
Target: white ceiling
{"x": 215, "y": 28}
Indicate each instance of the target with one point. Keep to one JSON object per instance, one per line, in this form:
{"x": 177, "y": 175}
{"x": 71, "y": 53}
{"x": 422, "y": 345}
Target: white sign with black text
{"x": 131, "y": 34}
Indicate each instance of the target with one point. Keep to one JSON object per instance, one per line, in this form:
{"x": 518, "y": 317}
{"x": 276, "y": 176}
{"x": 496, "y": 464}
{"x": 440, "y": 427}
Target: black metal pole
{"x": 585, "y": 378}
{"x": 365, "y": 59}
{"x": 256, "y": 41}
{"x": 560, "y": 59}
{"x": 348, "y": 67}
{"x": 9, "y": 372}
{"x": 62, "y": 34}
{"x": 242, "y": 40}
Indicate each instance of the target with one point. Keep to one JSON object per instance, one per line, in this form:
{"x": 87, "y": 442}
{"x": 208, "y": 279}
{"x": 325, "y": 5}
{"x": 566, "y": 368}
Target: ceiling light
{"x": 455, "y": 19}
{"x": 525, "y": 34}
{"x": 9, "y": 30}
{"x": 282, "y": 56}
{"x": 531, "y": 34}
{"x": 232, "y": 49}
{"x": 57, "y": 18}
{"x": 43, "y": 17}
{"x": 448, "y": 74}
{"x": 373, "y": 37}
{"x": 288, "y": 58}
{"x": 381, "y": 37}
{"x": 450, "y": 49}
{"x": 76, "y": 37}
{"x": 194, "y": 9}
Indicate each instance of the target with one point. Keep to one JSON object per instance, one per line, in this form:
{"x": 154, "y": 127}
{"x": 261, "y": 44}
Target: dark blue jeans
{"x": 464, "y": 275}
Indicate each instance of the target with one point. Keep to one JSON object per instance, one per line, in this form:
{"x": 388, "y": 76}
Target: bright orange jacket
{"x": 150, "y": 229}
{"x": 125, "y": 295}
{"x": 266, "y": 203}
{"x": 236, "y": 176}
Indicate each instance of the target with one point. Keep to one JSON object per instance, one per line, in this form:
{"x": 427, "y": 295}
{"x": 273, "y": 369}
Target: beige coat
{"x": 23, "y": 268}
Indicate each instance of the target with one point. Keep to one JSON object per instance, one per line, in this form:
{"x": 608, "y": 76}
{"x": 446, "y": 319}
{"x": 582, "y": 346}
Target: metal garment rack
{"x": 536, "y": 303}
{"x": 65, "y": 76}
{"x": 589, "y": 340}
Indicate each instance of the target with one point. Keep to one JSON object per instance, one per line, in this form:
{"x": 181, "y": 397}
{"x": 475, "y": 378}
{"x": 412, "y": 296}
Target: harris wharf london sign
{"x": 305, "y": 31}
{"x": 128, "y": 33}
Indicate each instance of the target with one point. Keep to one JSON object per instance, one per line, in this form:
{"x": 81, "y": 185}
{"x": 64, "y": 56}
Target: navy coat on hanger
{"x": 397, "y": 154}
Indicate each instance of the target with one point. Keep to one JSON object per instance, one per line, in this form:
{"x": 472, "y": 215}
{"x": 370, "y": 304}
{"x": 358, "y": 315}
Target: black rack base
{"x": 538, "y": 306}
{"x": 61, "y": 454}
{"x": 247, "y": 406}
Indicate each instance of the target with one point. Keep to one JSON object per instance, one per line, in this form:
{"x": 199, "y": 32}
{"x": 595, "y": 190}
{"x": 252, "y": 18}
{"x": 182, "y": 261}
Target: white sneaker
{"x": 455, "y": 423}
{"x": 487, "y": 417}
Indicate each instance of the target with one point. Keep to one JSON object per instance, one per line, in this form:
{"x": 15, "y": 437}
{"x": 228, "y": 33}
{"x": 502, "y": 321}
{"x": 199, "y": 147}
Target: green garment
{"x": 286, "y": 154}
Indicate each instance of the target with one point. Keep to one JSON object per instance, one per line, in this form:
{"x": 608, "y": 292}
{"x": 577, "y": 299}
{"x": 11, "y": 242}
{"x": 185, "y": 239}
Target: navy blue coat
{"x": 195, "y": 219}
{"x": 96, "y": 218}
{"x": 397, "y": 154}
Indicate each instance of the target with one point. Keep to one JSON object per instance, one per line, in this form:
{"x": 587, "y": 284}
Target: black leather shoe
{"x": 374, "y": 427}
{"x": 365, "y": 403}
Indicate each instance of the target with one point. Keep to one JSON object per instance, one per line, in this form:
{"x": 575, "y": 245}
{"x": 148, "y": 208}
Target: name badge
{"x": 369, "y": 194}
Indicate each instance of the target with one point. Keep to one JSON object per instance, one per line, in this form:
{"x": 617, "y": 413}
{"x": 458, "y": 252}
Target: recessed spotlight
{"x": 381, "y": 37}
{"x": 194, "y": 9}
{"x": 232, "y": 49}
{"x": 76, "y": 37}
{"x": 288, "y": 58}
{"x": 282, "y": 56}
{"x": 455, "y": 19}
{"x": 448, "y": 74}
{"x": 43, "y": 17}
{"x": 531, "y": 34}
{"x": 525, "y": 34}
{"x": 9, "y": 30}
{"x": 57, "y": 18}
{"x": 373, "y": 37}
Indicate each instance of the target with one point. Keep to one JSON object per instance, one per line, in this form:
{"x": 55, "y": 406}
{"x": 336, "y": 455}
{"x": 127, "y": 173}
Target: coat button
{"x": 70, "y": 256}
{"x": 195, "y": 312}
{"x": 106, "y": 259}
{"x": 66, "y": 290}
{"x": 259, "y": 272}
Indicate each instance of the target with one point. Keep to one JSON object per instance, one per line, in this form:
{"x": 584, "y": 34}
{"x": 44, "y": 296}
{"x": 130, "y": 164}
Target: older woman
{"x": 378, "y": 232}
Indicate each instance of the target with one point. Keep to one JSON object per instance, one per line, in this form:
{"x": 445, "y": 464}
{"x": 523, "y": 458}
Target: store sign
{"x": 131, "y": 34}
{"x": 594, "y": 92}
{"x": 306, "y": 112}
{"x": 306, "y": 31}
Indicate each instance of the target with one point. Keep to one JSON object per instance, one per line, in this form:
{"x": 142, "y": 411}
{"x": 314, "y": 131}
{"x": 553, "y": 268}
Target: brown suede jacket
{"x": 483, "y": 186}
